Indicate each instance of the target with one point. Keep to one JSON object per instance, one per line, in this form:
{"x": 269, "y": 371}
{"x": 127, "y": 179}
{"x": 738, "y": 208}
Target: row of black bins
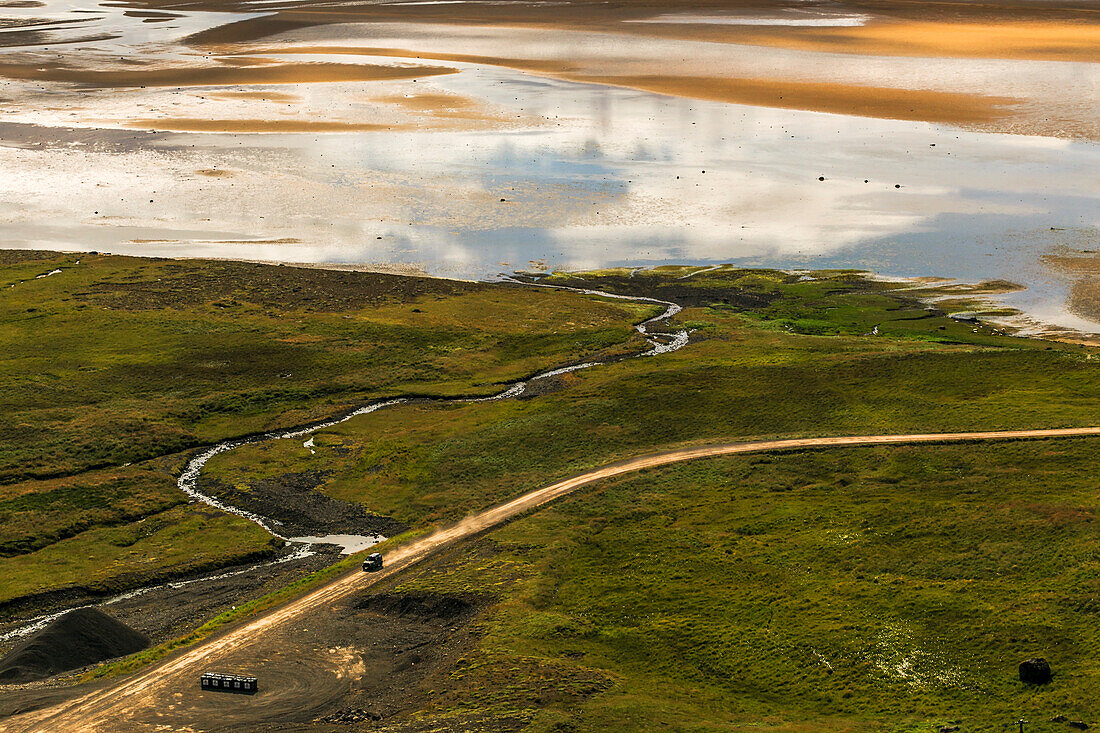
{"x": 228, "y": 683}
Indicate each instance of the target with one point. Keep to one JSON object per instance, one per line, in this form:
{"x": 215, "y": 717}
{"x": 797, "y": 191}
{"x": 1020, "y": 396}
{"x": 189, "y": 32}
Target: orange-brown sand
{"x": 549, "y": 66}
{"x": 1061, "y": 31}
{"x": 1037, "y": 40}
{"x": 217, "y": 75}
{"x": 277, "y": 97}
{"x": 418, "y": 111}
{"x": 1075, "y": 263}
{"x": 850, "y": 99}
{"x": 432, "y": 103}
{"x": 198, "y": 124}
{"x": 450, "y": 107}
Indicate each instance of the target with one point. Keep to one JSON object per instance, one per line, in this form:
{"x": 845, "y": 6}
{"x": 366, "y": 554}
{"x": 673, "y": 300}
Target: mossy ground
{"x": 166, "y": 544}
{"x": 746, "y": 374}
{"x": 867, "y": 589}
{"x": 110, "y": 367}
{"x": 119, "y": 359}
{"x": 858, "y": 589}
{"x": 870, "y": 589}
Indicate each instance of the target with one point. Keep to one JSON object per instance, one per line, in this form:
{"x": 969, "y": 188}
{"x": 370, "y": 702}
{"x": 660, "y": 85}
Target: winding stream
{"x": 660, "y": 343}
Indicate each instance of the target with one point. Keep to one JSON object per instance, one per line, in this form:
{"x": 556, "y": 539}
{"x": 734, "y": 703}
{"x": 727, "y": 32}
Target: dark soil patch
{"x": 173, "y": 611}
{"x": 341, "y": 666}
{"x": 231, "y": 284}
{"x": 409, "y": 644}
{"x": 168, "y": 612}
{"x": 77, "y": 639}
{"x": 536, "y": 388}
{"x": 427, "y": 606}
{"x": 16, "y": 256}
{"x": 292, "y": 500}
{"x": 96, "y": 591}
{"x": 686, "y": 293}
{"x": 180, "y": 603}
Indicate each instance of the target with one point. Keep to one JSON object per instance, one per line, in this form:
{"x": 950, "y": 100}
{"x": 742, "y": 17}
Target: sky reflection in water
{"x": 611, "y": 177}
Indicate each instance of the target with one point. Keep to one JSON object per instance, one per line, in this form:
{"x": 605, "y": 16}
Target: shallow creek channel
{"x": 299, "y": 548}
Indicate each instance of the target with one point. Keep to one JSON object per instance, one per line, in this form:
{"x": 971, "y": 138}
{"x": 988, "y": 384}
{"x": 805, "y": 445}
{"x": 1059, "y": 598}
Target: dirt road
{"x": 119, "y": 705}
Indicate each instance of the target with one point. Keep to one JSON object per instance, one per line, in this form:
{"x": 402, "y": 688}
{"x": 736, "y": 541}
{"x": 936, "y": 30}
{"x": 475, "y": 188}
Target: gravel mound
{"x": 78, "y": 638}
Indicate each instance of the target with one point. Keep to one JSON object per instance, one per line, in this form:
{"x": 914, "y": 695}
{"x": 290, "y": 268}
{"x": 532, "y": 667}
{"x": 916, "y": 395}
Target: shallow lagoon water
{"x": 548, "y": 173}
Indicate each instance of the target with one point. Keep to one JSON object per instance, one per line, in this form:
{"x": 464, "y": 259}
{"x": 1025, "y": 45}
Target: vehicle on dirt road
{"x": 372, "y": 563}
{"x": 228, "y": 682}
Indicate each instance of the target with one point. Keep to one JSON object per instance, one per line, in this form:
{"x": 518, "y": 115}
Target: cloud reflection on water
{"x": 607, "y": 177}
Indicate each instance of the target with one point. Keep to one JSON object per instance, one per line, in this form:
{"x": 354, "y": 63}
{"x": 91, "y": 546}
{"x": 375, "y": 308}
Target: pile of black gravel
{"x": 420, "y": 605}
{"x": 77, "y": 639}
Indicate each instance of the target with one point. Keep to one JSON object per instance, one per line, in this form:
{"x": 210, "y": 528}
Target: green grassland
{"x": 870, "y": 589}
{"x": 746, "y": 374}
{"x": 858, "y": 589}
{"x": 107, "y": 559}
{"x": 112, "y": 367}
{"x": 119, "y": 359}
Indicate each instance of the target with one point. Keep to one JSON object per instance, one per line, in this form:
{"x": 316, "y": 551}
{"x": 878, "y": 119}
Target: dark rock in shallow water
{"x": 1079, "y": 725}
{"x": 77, "y": 639}
{"x": 1035, "y": 671}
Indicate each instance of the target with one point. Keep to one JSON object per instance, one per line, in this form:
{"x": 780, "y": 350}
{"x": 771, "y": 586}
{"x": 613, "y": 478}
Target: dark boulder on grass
{"x": 1035, "y": 671}
{"x": 77, "y": 639}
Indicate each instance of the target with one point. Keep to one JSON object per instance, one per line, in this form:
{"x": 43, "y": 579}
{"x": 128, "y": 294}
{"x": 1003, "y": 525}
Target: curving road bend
{"x": 115, "y": 706}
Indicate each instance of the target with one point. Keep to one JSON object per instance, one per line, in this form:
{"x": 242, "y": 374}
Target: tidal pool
{"x": 478, "y": 170}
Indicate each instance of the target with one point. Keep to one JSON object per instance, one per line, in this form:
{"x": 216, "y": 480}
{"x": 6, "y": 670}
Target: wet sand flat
{"x": 471, "y": 138}
{"x": 194, "y": 124}
{"x": 292, "y": 126}
{"x": 1082, "y": 268}
{"x": 849, "y": 58}
{"x": 218, "y": 76}
{"x": 592, "y": 14}
{"x": 845, "y": 99}
{"x": 1003, "y": 40}
{"x": 1002, "y": 30}
{"x": 997, "y": 95}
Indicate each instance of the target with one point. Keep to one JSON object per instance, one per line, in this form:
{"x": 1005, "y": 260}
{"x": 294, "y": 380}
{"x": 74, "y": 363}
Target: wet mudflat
{"x": 384, "y": 136}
